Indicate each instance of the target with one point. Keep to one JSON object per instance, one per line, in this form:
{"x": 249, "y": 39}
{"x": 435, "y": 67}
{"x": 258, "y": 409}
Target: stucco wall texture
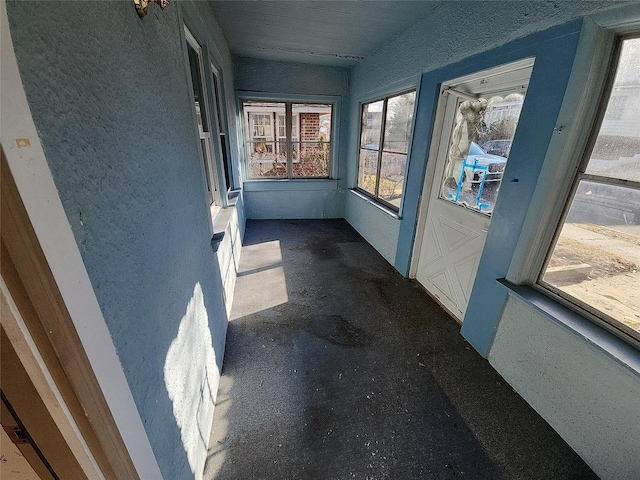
{"x": 110, "y": 98}
{"x": 602, "y": 425}
{"x": 431, "y": 42}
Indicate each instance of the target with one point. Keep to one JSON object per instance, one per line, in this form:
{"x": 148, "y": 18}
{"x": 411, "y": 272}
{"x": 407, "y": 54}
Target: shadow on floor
{"x": 337, "y": 367}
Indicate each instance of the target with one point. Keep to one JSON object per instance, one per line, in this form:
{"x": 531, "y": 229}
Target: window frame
{"x": 223, "y": 128}
{"x": 582, "y": 308}
{"x": 251, "y": 96}
{"x": 206, "y": 145}
{"x": 395, "y": 210}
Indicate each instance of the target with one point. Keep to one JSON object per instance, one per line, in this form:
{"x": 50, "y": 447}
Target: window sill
{"x": 220, "y": 220}
{"x": 272, "y": 184}
{"x": 376, "y": 204}
{"x": 616, "y": 348}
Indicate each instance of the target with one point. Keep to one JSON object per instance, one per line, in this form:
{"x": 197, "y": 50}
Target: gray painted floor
{"x": 337, "y": 367}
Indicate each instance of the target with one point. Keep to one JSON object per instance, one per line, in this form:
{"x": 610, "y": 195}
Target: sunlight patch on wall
{"x": 191, "y": 377}
{"x": 218, "y": 451}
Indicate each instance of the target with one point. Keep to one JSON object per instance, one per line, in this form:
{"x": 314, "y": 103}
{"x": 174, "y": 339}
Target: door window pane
{"x": 479, "y": 148}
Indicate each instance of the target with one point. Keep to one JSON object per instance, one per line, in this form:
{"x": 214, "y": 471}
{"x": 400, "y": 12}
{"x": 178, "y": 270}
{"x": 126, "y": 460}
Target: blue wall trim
{"x": 554, "y": 61}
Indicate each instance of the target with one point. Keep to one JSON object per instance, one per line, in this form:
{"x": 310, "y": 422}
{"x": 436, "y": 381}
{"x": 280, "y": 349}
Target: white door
{"x": 477, "y": 117}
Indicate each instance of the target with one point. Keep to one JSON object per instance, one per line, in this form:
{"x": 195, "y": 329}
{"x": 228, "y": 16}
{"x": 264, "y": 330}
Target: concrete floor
{"x": 337, "y": 367}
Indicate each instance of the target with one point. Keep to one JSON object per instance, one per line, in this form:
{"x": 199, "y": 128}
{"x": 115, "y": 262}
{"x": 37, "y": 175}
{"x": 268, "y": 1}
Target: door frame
{"x": 458, "y": 85}
{"x": 106, "y": 395}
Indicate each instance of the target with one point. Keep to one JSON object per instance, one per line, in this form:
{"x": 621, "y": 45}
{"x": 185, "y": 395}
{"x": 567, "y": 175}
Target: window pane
{"x": 203, "y": 145}
{"x": 597, "y": 255}
{"x": 294, "y": 127}
{"x": 311, "y": 159}
{"x": 315, "y": 122}
{"x": 398, "y": 125}
{"x": 260, "y": 127}
{"x": 368, "y": 170}
{"x": 222, "y": 128}
{"x": 196, "y": 81}
{"x": 312, "y": 152}
{"x": 371, "y": 124}
{"x": 260, "y": 120}
{"x": 282, "y": 126}
{"x": 265, "y": 156}
{"x": 265, "y": 160}
{"x": 220, "y": 102}
{"x": 479, "y": 148}
{"x": 267, "y": 141}
{"x": 616, "y": 153}
{"x": 392, "y": 172}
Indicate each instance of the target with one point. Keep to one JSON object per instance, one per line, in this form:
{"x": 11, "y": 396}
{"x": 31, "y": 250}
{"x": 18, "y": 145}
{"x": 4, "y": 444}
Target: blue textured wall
{"x": 554, "y": 59}
{"x": 110, "y": 98}
{"x": 297, "y": 199}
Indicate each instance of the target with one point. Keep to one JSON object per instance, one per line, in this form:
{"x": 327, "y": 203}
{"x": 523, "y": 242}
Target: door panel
{"x": 449, "y": 258}
{"x": 481, "y": 109}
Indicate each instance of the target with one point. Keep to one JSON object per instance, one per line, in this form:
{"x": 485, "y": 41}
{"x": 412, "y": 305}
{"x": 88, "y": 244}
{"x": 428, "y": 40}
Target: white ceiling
{"x": 339, "y": 33}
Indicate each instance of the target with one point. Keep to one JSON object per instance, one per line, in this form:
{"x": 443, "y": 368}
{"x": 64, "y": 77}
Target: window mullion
{"x": 381, "y": 146}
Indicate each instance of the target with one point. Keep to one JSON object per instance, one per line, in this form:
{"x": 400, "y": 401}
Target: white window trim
{"x": 212, "y": 171}
{"x": 595, "y": 314}
{"x": 575, "y": 124}
{"x": 225, "y": 167}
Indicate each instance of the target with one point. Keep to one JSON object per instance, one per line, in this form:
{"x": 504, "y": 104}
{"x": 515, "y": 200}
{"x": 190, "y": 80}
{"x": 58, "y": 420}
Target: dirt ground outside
{"x": 612, "y": 283}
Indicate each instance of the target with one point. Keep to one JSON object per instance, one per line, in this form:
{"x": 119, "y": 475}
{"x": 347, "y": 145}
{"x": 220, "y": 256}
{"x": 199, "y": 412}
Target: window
{"x": 384, "y": 147}
{"x": 287, "y": 140}
{"x": 203, "y": 118}
{"x": 481, "y": 119}
{"x": 222, "y": 126}
{"x": 282, "y": 136}
{"x": 594, "y": 262}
